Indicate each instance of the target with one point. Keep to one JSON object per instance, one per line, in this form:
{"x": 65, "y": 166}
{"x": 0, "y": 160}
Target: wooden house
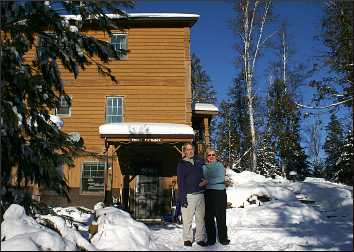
{"x": 139, "y": 124}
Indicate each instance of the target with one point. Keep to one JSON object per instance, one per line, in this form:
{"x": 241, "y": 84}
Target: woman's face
{"x": 211, "y": 156}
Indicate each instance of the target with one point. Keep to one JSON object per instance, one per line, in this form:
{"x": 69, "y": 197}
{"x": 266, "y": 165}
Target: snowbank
{"x": 21, "y": 232}
{"x": 81, "y": 214}
{"x": 117, "y": 230}
{"x": 246, "y": 188}
{"x": 251, "y": 189}
{"x": 244, "y": 177}
{"x": 68, "y": 234}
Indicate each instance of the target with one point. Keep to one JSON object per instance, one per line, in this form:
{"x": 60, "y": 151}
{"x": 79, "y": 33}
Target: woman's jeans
{"x": 215, "y": 207}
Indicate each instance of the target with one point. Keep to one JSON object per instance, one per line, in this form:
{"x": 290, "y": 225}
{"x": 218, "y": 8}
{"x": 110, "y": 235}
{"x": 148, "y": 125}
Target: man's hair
{"x": 184, "y": 146}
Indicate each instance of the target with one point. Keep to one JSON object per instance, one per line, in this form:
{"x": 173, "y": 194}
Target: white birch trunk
{"x": 249, "y": 61}
{"x": 284, "y": 59}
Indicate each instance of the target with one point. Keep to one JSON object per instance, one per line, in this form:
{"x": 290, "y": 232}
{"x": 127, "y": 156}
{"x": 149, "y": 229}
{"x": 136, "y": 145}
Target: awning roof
{"x": 142, "y": 15}
{"x": 205, "y": 109}
{"x": 146, "y": 129}
{"x": 186, "y": 18}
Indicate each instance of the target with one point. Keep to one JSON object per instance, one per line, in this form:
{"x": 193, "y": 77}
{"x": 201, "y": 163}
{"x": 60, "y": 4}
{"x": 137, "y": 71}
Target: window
{"x": 92, "y": 177}
{"x": 147, "y": 180}
{"x": 114, "y": 109}
{"x": 43, "y": 49}
{"x": 64, "y": 106}
{"x": 119, "y": 42}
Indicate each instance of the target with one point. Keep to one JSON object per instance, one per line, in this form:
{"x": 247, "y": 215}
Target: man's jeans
{"x": 196, "y": 206}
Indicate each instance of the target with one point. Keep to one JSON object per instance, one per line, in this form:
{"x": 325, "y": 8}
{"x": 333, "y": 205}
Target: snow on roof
{"x": 141, "y": 15}
{"x": 205, "y": 107}
{"x": 126, "y": 128}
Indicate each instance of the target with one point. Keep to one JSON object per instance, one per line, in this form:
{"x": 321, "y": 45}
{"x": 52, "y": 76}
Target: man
{"x": 191, "y": 195}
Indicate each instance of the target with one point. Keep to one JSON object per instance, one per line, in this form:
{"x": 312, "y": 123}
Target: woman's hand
{"x": 203, "y": 183}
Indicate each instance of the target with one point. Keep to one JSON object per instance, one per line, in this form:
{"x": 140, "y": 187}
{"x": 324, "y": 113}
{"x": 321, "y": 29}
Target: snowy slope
{"x": 283, "y": 222}
{"x": 267, "y": 214}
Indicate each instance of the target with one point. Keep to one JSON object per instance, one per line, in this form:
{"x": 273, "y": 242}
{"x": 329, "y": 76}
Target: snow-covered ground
{"x": 266, "y": 214}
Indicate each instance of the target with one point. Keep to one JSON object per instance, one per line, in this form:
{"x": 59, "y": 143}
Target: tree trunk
{"x": 249, "y": 59}
{"x": 252, "y": 128}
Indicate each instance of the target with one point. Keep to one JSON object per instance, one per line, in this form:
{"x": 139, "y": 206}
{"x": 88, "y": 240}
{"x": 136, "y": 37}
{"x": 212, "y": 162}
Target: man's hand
{"x": 184, "y": 203}
{"x": 203, "y": 183}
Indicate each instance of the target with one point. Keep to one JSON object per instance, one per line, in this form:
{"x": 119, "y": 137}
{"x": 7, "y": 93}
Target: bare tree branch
{"x": 324, "y": 107}
{"x": 252, "y": 20}
{"x": 244, "y": 154}
{"x": 242, "y": 37}
{"x": 260, "y": 33}
{"x": 268, "y": 37}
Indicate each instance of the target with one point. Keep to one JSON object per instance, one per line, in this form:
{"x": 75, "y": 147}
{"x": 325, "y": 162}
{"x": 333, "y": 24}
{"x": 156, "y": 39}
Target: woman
{"x": 215, "y": 199}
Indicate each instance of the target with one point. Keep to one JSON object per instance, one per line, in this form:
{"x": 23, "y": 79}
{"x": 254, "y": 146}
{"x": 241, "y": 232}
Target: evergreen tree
{"x": 315, "y": 144}
{"x": 318, "y": 170}
{"x": 344, "y": 164}
{"x": 234, "y": 120}
{"x": 228, "y": 141}
{"x": 337, "y": 35}
{"x": 332, "y": 146}
{"x": 31, "y": 88}
{"x": 266, "y": 164}
{"x": 239, "y": 101}
{"x": 202, "y": 90}
{"x": 284, "y": 127}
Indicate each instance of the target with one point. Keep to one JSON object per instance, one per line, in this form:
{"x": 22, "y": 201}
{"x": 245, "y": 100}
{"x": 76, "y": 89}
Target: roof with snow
{"x": 146, "y": 129}
{"x": 205, "y": 108}
{"x": 185, "y": 17}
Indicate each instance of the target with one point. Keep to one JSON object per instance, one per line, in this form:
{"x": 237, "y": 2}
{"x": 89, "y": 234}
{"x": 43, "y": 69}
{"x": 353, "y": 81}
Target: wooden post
{"x": 125, "y": 192}
{"x": 108, "y": 178}
{"x": 206, "y": 131}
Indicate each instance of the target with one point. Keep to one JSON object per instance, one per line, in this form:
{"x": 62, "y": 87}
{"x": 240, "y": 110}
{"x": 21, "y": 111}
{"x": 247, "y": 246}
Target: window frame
{"x": 106, "y": 107}
{"x": 123, "y": 57}
{"x": 64, "y": 115}
{"x": 41, "y": 43}
{"x": 81, "y": 178}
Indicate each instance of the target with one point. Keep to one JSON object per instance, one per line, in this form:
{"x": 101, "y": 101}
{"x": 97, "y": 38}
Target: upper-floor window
{"x": 119, "y": 42}
{"x": 114, "y": 109}
{"x": 64, "y": 106}
{"x": 46, "y": 40}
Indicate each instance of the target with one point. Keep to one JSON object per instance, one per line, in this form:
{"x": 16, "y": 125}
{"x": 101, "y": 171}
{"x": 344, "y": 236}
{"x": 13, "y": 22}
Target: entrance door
{"x": 147, "y": 194}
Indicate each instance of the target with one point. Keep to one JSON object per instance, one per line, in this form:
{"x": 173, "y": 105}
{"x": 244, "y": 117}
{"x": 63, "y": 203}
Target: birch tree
{"x": 252, "y": 18}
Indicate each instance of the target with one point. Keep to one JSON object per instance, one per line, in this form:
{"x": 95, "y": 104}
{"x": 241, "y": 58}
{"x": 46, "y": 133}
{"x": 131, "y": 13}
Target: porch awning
{"x": 205, "y": 108}
{"x": 146, "y": 132}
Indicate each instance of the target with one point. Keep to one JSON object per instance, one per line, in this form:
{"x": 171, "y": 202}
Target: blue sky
{"x": 213, "y": 40}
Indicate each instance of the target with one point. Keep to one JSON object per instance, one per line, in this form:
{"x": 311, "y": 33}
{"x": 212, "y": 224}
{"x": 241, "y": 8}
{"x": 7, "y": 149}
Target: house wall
{"x": 154, "y": 80}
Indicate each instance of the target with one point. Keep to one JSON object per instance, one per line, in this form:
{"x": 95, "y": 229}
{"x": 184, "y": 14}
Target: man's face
{"x": 189, "y": 151}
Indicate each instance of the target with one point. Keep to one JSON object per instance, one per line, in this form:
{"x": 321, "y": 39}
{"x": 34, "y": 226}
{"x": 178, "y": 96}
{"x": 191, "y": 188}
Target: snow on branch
{"x": 324, "y": 107}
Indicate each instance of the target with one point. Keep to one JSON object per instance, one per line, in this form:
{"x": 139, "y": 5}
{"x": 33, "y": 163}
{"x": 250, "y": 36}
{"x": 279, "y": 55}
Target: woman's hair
{"x": 209, "y": 150}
